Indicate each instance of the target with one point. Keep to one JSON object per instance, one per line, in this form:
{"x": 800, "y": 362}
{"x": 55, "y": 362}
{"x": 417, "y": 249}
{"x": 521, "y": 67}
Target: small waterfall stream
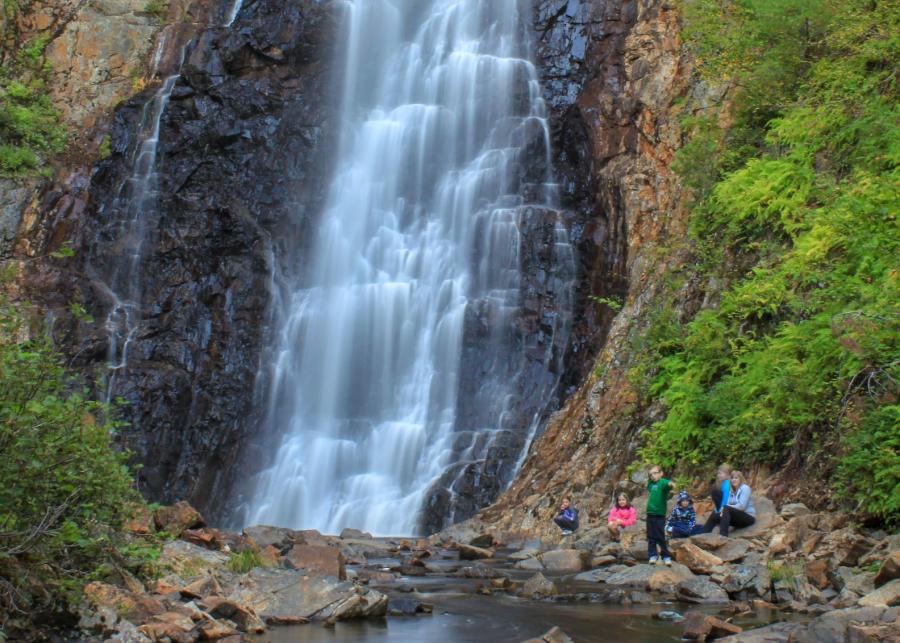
{"x": 420, "y": 243}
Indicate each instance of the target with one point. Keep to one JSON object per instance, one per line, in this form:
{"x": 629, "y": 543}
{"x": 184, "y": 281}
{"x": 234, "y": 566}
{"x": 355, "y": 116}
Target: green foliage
{"x": 30, "y": 127}
{"x": 796, "y": 206}
{"x": 613, "y": 304}
{"x": 243, "y": 562}
{"x": 159, "y": 9}
{"x": 64, "y": 491}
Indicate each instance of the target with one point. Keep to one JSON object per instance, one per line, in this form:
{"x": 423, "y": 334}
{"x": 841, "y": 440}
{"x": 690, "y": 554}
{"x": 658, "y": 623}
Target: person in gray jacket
{"x": 738, "y": 512}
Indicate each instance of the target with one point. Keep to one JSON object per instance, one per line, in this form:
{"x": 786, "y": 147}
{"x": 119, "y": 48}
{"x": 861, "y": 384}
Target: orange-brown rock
{"x": 202, "y": 587}
{"x": 176, "y": 518}
{"x": 213, "y": 630}
{"x": 139, "y": 522}
{"x": 889, "y": 570}
{"x": 697, "y": 560}
{"x": 245, "y": 618}
{"x": 270, "y": 556}
{"x": 469, "y": 552}
{"x": 703, "y": 627}
{"x": 205, "y": 537}
{"x": 817, "y": 572}
{"x": 317, "y": 559}
{"x": 136, "y": 608}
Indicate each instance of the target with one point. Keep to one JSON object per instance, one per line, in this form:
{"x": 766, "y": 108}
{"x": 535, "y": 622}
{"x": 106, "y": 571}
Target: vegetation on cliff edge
{"x": 795, "y": 204}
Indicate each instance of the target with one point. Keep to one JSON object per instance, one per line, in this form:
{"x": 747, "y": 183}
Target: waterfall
{"x": 444, "y": 156}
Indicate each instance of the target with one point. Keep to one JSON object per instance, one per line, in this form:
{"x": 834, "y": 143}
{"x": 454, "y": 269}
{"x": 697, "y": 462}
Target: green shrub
{"x": 64, "y": 491}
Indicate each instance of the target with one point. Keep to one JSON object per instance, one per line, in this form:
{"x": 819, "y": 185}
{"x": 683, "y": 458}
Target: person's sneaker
{"x": 654, "y": 560}
{"x": 667, "y": 561}
{"x": 567, "y": 532}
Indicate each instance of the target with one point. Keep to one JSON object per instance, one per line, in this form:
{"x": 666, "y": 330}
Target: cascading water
{"x": 443, "y": 118}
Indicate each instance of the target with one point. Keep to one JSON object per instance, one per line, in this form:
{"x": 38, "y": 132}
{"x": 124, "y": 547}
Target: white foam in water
{"x": 422, "y": 218}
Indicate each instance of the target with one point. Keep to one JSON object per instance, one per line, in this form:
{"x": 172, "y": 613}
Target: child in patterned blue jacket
{"x": 682, "y": 521}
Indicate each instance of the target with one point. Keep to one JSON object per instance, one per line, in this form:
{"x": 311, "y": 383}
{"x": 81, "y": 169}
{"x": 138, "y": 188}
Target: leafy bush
{"x": 64, "y": 491}
{"x": 30, "y": 127}
{"x": 801, "y": 359}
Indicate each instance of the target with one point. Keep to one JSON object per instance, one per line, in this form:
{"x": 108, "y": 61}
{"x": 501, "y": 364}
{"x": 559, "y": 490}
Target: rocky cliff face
{"x": 612, "y": 71}
{"x": 241, "y": 161}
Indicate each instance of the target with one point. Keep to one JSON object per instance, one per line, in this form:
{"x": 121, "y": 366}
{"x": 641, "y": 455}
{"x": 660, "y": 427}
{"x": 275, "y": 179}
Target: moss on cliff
{"x": 795, "y": 210}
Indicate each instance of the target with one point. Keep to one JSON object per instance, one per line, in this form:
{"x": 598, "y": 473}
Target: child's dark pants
{"x": 571, "y": 525}
{"x": 656, "y": 536}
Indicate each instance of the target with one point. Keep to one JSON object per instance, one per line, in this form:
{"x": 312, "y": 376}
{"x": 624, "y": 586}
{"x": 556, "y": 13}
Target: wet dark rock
{"x": 243, "y": 150}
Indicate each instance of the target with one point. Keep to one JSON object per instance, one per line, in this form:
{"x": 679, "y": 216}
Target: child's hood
{"x": 684, "y": 495}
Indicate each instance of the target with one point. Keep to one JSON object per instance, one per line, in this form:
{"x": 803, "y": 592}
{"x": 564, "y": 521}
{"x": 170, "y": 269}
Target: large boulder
{"x": 188, "y": 560}
{"x": 539, "y": 586}
{"x": 530, "y": 564}
{"x": 774, "y": 633}
{"x": 739, "y": 578}
{"x": 354, "y": 534}
{"x": 116, "y": 603}
{"x": 317, "y": 559}
{"x": 887, "y": 595}
{"x": 834, "y": 627}
{"x": 700, "y": 590}
{"x": 727, "y": 549}
{"x": 854, "y": 580}
{"x": 265, "y": 535}
{"x": 704, "y": 627}
{"x": 469, "y": 552}
{"x": 244, "y": 617}
{"x": 178, "y": 517}
{"x": 650, "y": 577}
{"x": 565, "y": 560}
{"x": 844, "y": 546}
{"x": 287, "y": 596}
{"x": 794, "y": 509}
{"x": 889, "y": 570}
{"x": 697, "y": 560}
{"x": 766, "y": 518}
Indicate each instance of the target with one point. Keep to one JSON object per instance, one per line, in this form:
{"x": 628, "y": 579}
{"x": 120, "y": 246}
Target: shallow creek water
{"x": 462, "y": 615}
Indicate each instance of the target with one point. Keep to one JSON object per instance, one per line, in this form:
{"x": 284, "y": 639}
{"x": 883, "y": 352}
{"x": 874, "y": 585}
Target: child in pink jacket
{"x": 621, "y": 516}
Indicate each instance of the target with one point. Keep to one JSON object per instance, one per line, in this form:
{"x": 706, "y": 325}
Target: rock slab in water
{"x": 286, "y": 596}
{"x": 700, "y": 590}
{"x": 468, "y": 552}
{"x": 565, "y": 560}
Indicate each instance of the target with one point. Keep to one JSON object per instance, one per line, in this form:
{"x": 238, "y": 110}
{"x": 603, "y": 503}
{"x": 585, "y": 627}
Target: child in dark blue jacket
{"x": 682, "y": 521}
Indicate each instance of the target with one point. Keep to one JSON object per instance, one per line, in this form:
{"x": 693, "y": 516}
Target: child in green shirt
{"x": 659, "y": 490}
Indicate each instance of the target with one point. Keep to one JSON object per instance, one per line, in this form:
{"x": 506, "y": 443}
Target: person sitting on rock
{"x": 682, "y": 520}
{"x": 720, "y": 488}
{"x": 622, "y": 515}
{"x": 567, "y": 518}
{"x": 739, "y": 512}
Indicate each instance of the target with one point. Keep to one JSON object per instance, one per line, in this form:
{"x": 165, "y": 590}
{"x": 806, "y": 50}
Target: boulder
{"x": 889, "y": 570}
{"x": 818, "y": 572}
{"x": 539, "y": 586}
{"x": 594, "y": 576}
{"x": 354, "y": 534}
{"x": 140, "y": 521}
{"x": 482, "y": 540}
{"x": 703, "y": 627}
{"x": 553, "y": 635}
{"x": 697, "y": 560}
{"x": 481, "y": 571}
{"x": 844, "y": 546}
{"x": 178, "y": 517}
{"x": 468, "y": 552}
{"x": 204, "y": 586}
{"x": 286, "y": 596}
{"x": 530, "y": 564}
{"x": 317, "y": 559}
{"x": 169, "y": 626}
{"x": 854, "y": 580}
{"x": 565, "y": 560}
{"x": 375, "y": 576}
{"x": 126, "y": 605}
{"x": 522, "y": 554}
{"x": 651, "y": 577}
{"x": 204, "y": 537}
{"x": 733, "y": 549}
{"x": 265, "y": 535}
{"x": 244, "y": 617}
{"x": 408, "y": 607}
{"x": 766, "y": 519}
{"x": 887, "y": 595}
{"x": 739, "y": 578}
{"x": 699, "y": 590}
{"x": 834, "y": 626}
{"x": 210, "y": 629}
{"x": 775, "y": 633}
{"x": 188, "y": 560}
{"x": 794, "y": 509}
{"x": 602, "y": 561}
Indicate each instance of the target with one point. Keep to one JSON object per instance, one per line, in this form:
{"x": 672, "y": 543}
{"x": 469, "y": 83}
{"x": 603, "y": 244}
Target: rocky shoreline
{"x": 822, "y": 578}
